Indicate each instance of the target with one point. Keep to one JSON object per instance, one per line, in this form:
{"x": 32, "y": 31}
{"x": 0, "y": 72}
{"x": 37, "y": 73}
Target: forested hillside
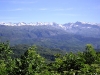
{"x": 45, "y": 52}
{"x": 31, "y": 63}
{"x": 69, "y": 36}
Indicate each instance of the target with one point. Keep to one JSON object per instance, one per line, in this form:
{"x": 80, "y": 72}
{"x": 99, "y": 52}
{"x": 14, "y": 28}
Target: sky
{"x": 59, "y": 11}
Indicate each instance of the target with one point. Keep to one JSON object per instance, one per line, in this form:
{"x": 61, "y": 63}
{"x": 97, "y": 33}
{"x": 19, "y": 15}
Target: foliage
{"x": 90, "y": 54}
{"x": 6, "y": 62}
{"x": 31, "y": 63}
{"x": 47, "y": 53}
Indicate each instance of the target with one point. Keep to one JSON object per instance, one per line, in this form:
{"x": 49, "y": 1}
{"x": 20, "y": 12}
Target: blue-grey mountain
{"x": 68, "y": 36}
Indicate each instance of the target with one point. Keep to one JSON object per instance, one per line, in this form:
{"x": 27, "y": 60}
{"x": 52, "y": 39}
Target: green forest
{"x": 33, "y": 62}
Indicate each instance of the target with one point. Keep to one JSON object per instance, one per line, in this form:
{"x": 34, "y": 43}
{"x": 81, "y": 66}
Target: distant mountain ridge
{"x": 42, "y": 23}
{"x": 68, "y": 36}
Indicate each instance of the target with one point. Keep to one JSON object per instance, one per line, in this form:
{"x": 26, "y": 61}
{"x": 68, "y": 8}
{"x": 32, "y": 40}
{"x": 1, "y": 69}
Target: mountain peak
{"x": 31, "y": 23}
{"x": 45, "y": 23}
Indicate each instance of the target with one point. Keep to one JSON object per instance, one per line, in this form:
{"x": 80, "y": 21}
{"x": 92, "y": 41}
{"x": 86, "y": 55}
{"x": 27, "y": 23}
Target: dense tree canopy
{"x": 31, "y": 63}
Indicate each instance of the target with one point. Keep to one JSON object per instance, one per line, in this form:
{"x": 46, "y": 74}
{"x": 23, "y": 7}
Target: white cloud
{"x": 9, "y": 17}
{"x": 20, "y": 1}
{"x": 69, "y": 8}
{"x": 60, "y": 9}
{"x": 43, "y": 9}
{"x": 18, "y": 9}
{"x": 23, "y": 2}
{"x": 63, "y": 9}
{"x": 23, "y": 9}
{"x": 68, "y": 14}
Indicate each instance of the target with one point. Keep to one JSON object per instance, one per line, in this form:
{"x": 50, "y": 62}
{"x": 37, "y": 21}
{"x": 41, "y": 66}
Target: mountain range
{"x": 68, "y": 36}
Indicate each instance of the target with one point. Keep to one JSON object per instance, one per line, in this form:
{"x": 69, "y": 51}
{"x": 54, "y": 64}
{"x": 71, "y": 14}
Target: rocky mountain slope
{"x": 69, "y": 36}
